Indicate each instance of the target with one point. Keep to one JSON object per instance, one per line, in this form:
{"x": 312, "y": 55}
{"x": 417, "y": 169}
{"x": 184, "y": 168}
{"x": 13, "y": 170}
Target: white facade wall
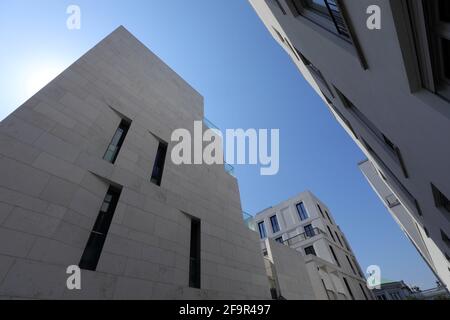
{"x": 53, "y": 181}
{"x": 389, "y": 75}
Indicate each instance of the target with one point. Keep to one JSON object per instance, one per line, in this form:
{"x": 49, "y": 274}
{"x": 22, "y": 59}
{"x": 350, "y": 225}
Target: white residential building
{"x": 86, "y": 179}
{"x": 305, "y": 225}
{"x": 389, "y": 87}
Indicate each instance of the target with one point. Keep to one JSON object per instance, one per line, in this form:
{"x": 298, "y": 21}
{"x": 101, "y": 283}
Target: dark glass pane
{"x": 116, "y": 142}
{"x": 92, "y": 252}
{"x": 446, "y": 57}
{"x": 444, "y": 10}
{"x": 194, "y": 260}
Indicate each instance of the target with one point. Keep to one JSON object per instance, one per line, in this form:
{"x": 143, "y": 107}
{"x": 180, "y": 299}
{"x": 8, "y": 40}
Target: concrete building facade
{"x": 388, "y": 87}
{"x": 86, "y": 179}
{"x": 304, "y": 225}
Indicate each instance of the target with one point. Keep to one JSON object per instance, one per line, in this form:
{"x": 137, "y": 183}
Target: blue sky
{"x": 223, "y": 50}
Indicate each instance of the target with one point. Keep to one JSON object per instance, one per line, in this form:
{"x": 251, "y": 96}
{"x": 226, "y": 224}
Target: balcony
{"x": 228, "y": 167}
{"x": 303, "y": 236}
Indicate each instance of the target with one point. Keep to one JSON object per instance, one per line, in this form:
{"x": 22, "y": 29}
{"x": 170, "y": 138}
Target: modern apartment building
{"x": 416, "y": 233}
{"x": 86, "y": 179}
{"x": 388, "y": 88}
{"x": 305, "y": 224}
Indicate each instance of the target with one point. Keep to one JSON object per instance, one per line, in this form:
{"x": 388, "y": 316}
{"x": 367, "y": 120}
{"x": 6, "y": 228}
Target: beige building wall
{"x": 53, "y": 180}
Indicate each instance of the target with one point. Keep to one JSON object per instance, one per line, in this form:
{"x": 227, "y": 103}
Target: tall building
{"x": 388, "y": 87}
{"x": 306, "y": 225}
{"x": 415, "y": 232}
{"x": 86, "y": 179}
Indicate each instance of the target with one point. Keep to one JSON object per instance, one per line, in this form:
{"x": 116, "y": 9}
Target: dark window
{"x": 397, "y": 183}
{"x": 317, "y": 10}
{"x": 310, "y": 250}
{"x": 302, "y": 213}
{"x": 274, "y": 223}
{"x": 446, "y": 54}
{"x": 279, "y": 239}
{"x": 320, "y": 209}
{"x": 381, "y": 297}
{"x": 393, "y": 149}
{"x": 348, "y": 288}
{"x": 309, "y": 231}
{"x": 262, "y": 230}
{"x": 445, "y": 238}
{"x": 363, "y": 291}
{"x": 194, "y": 262}
{"x": 350, "y": 264}
{"x": 328, "y": 216}
{"x": 440, "y": 200}
{"x": 278, "y": 34}
{"x": 277, "y": 2}
{"x": 158, "y": 166}
{"x": 94, "y": 246}
{"x": 426, "y": 232}
{"x": 334, "y": 256}
{"x": 339, "y": 239}
{"x": 331, "y": 233}
{"x": 117, "y": 141}
{"x": 346, "y": 243}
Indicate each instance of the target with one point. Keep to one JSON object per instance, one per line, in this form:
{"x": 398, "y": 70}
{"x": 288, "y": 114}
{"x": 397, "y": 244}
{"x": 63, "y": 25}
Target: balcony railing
{"x": 228, "y": 167}
{"x": 303, "y": 236}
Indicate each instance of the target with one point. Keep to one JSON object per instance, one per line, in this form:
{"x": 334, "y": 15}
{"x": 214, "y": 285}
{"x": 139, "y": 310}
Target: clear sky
{"x": 224, "y": 51}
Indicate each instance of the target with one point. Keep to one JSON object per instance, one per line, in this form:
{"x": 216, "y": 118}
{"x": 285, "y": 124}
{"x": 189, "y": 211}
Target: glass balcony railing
{"x": 228, "y": 167}
{"x": 248, "y": 220}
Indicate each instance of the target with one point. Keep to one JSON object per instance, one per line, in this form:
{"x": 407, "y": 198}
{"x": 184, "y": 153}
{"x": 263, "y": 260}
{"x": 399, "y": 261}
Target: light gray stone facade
{"x": 53, "y": 180}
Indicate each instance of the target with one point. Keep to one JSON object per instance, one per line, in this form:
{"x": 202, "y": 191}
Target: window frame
{"x": 320, "y": 16}
{"x": 428, "y": 30}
